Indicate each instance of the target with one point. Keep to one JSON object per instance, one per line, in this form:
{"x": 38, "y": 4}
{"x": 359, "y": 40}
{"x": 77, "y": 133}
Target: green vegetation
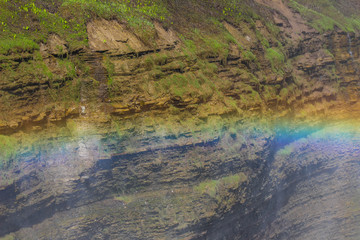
{"x": 63, "y": 87}
{"x": 32, "y": 69}
{"x": 235, "y": 10}
{"x": 213, "y": 187}
{"x": 284, "y": 92}
{"x": 201, "y": 45}
{"x": 207, "y": 187}
{"x": 182, "y": 84}
{"x": 262, "y": 39}
{"x": 276, "y": 58}
{"x": 324, "y": 16}
{"x": 329, "y": 53}
{"x": 160, "y": 59}
{"x": 138, "y": 14}
{"x": 17, "y": 44}
{"x": 275, "y": 30}
{"x": 68, "y": 68}
{"x": 195, "y": 84}
{"x": 125, "y": 199}
{"x": 286, "y": 151}
{"x": 189, "y": 49}
{"x": 204, "y": 46}
{"x": 110, "y": 68}
{"x": 269, "y": 93}
{"x": 8, "y": 237}
{"x": 8, "y": 150}
{"x": 249, "y": 56}
{"x": 215, "y": 46}
{"x": 253, "y": 98}
{"x": 29, "y": 21}
{"x": 132, "y": 11}
{"x": 23, "y": 24}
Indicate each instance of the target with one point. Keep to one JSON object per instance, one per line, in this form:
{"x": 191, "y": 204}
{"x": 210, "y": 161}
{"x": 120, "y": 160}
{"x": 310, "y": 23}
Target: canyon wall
{"x": 216, "y": 129}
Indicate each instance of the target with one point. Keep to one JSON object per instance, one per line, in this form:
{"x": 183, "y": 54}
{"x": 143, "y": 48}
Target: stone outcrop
{"x": 111, "y": 36}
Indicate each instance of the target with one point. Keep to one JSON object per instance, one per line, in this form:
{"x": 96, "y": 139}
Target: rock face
{"x": 320, "y": 201}
{"x": 169, "y": 188}
{"x": 244, "y": 184}
{"x": 311, "y": 192}
{"x": 112, "y": 36}
{"x": 178, "y": 137}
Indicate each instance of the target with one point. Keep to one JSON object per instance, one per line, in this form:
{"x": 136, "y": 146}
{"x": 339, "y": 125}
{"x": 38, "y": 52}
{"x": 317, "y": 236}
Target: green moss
{"x": 217, "y": 47}
{"x": 324, "y": 23}
{"x": 68, "y": 67}
{"x": 8, "y": 237}
{"x": 262, "y": 39}
{"x": 132, "y": 11}
{"x": 284, "y": 93}
{"x": 209, "y": 69}
{"x": 160, "y": 59}
{"x": 230, "y": 102}
{"x": 33, "y": 70}
{"x": 353, "y": 23}
{"x": 17, "y": 44}
{"x": 110, "y": 69}
{"x": 275, "y": 57}
{"x": 73, "y": 127}
{"x": 237, "y": 11}
{"x": 207, "y": 187}
{"x": 234, "y": 180}
{"x": 203, "y": 46}
{"x": 230, "y": 39}
{"x": 324, "y": 16}
{"x": 126, "y": 199}
{"x": 187, "y": 84}
{"x": 329, "y": 53}
{"x": 137, "y": 14}
{"x": 275, "y": 30}
{"x": 29, "y": 22}
{"x": 189, "y": 49}
{"x": 269, "y": 93}
{"x": 212, "y": 187}
{"x": 249, "y": 56}
{"x": 286, "y": 151}
{"x": 8, "y": 150}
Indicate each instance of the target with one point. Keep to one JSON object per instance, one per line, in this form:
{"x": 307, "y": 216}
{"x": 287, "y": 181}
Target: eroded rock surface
{"x": 174, "y": 138}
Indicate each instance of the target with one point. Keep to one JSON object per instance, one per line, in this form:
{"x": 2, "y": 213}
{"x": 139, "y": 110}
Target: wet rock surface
{"x": 154, "y": 193}
{"x": 219, "y": 188}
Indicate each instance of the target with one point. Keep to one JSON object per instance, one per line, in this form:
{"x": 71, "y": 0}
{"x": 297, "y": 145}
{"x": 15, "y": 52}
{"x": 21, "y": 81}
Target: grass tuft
{"x": 17, "y": 44}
